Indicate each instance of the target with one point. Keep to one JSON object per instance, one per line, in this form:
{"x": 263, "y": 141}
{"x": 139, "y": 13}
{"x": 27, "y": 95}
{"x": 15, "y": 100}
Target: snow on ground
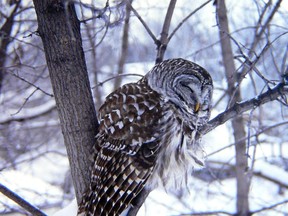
{"x": 206, "y": 197}
{"x": 31, "y": 188}
{"x": 38, "y": 182}
{"x": 70, "y": 209}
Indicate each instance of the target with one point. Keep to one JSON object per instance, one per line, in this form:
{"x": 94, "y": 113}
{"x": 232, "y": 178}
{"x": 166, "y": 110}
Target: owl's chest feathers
{"x": 178, "y": 155}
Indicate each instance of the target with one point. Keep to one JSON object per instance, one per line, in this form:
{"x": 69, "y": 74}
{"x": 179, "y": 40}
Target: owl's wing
{"x": 128, "y": 138}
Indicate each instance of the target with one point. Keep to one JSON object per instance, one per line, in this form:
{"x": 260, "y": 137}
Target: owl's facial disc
{"x": 189, "y": 92}
{"x": 193, "y": 96}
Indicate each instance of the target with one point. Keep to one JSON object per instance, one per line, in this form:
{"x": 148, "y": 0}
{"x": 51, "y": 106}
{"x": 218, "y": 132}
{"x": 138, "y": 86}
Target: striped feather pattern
{"x": 146, "y": 136}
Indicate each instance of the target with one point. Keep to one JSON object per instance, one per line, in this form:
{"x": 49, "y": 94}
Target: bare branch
{"x": 269, "y": 178}
{"x": 186, "y": 18}
{"x": 124, "y": 45}
{"x": 32, "y": 158}
{"x": 16, "y": 118}
{"x": 5, "y": 39}
{"x": 251, "y": 64}
{"x": 32, "y": 84}
{"x": 264, "y": 26}
{"x": 242, "y": 183}
{"x": 239, "y": 108}
{"x": 161, "y": 46}
{"x": 140, "y": 200}
{"x": 25, "y": 101}
{"x": 209, "y": 213}
{"x": 253, "y": 135}
{"x": 263, "y": 12}
{"x": 270, "y": 207}
{"x": 20, "y": 201}
{"x": 114, "y": 77}
{"x": 143, "y": 23}
{"x": 100, "y": 12}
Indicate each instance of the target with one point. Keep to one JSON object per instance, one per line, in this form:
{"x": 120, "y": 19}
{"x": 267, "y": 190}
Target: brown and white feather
{"x": 146, "y": 136}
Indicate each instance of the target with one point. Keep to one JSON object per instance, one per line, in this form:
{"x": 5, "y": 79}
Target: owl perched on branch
{"x": 146, "y": 135}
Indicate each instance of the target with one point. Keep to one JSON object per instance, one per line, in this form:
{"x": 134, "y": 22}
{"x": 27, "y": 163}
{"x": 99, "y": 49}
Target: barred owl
{"x": 146, "y": 135}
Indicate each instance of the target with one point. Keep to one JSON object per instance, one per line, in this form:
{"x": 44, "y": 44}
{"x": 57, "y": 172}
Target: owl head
{"x": 186, "y": 85}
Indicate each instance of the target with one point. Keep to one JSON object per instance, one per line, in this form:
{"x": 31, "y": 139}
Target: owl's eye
{"x": 189, "y": 85}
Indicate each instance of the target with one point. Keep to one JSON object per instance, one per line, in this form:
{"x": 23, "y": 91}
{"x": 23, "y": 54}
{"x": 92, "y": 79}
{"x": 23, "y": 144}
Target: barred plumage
{"x": 146, "y": 135}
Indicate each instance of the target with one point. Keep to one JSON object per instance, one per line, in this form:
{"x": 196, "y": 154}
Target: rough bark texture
{"x": 238, "y": 122}
{"x": 59, "y": 29}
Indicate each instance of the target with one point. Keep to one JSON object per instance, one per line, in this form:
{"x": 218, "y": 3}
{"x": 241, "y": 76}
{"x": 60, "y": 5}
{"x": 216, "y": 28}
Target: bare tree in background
{"x": 234, "y": 95}
{"x": 5, "y": 38}
{"x": 64, "y": 47}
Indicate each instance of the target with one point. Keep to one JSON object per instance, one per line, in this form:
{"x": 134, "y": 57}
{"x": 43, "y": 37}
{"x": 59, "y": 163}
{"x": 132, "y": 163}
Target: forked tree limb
{"x": 187, "y": 18}
{"x": 163, "y": 41}
{"x": 155, "y": 40}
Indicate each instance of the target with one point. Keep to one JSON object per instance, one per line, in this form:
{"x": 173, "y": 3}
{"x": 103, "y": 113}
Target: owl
{"x": 146, "y": 136}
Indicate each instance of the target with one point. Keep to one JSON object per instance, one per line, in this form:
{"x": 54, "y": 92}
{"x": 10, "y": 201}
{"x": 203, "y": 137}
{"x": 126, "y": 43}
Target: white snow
{"x": 70, "y": 209}
{"x": 30, "y": 188}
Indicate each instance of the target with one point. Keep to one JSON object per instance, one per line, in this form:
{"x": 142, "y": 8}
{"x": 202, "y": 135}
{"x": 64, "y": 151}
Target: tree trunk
{"x": 59, "y": 28}
{"x": 237, "y": 123}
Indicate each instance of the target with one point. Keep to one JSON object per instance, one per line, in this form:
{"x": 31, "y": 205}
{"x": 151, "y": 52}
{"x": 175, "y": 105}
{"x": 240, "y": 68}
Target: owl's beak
{"x": 197, "y": 107}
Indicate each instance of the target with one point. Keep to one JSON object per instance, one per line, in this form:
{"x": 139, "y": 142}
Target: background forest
{"x": 244, "y": 46}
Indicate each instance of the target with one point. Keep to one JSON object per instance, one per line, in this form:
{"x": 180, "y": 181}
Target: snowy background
{"x": 33, "y": 160}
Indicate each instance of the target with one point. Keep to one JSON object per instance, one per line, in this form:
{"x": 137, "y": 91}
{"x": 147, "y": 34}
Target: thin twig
{"x": 253, "y": 160}
{"x": 24, "y": 103}
{"x": 20, "y": 201}
{"x": 32, "y": 84}
{"x": 207, "y": 213}
{"x": 186, "y": 18}
{"x": 101, "y": 12}
{"x": 270, "y": 207}
{"x": 16, "y": 118}
{"x": 142, "y": 22}
{"x": 124, "y": 45}
{"x": 251, "y": 64}
{"x": 161, "y": 46}
{"x": 265, "y": 25}
{"x": 114, "y": 77}
{"x": 225, "y": 167}
{"x": 244, "y": 138}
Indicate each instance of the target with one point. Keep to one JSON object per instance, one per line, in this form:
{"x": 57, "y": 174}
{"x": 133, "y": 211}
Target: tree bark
{"x": 59, "y": 28}
{"x": 242, "y": 180}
